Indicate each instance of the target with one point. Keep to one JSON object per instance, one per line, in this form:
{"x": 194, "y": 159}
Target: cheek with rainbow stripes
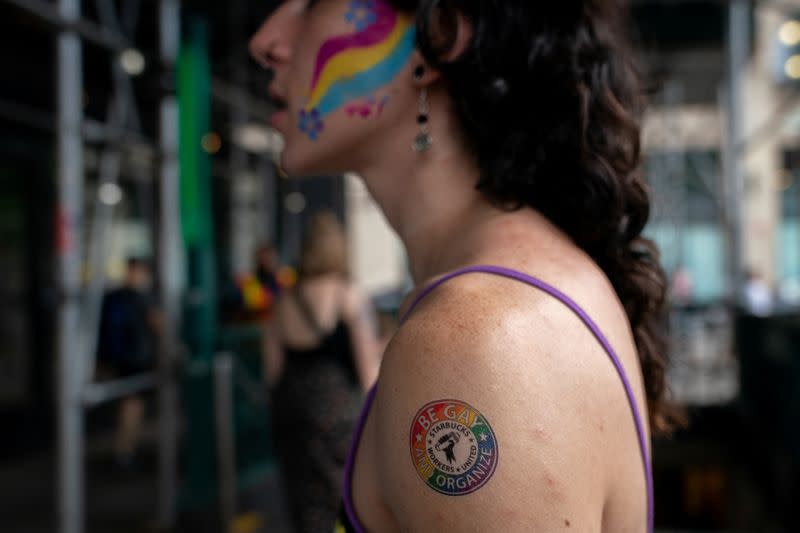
{"x": 350, "y": 69}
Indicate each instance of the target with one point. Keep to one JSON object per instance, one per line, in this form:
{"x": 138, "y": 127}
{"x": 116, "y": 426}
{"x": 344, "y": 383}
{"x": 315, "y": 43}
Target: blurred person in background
{"x": 252, "y": 297}
{"x": 502, "y": 142}
{"x": 321, "y": 354}
{"x": 127, "y": 346}
{"x": 757, "y": 294}
{"x": 267, "y": 266}
{"x": 682, "y": 287}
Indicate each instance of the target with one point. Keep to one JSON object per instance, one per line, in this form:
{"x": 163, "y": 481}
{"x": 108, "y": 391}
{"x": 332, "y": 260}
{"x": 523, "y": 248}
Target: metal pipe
{"x": 170, "y": 260}
{"x": 738, "y": 51}
{"x": 226, "y": 441}
{"x": 68, "y": 253}
{"x": 98, "y": 393}
{"x": 242, "y": 233}
{"x": 96, "y": 131}
{"x": 240, "y": 98}
{"x": 78, "y": 26}
{"x": 93, "y": 131}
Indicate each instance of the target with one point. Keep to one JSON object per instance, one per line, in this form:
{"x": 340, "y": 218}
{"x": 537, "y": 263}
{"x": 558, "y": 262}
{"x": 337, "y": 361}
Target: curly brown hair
{"x": 550, "y": 100}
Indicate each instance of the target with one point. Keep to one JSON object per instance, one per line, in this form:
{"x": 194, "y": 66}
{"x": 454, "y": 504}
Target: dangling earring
{"x": 423, "y": 141}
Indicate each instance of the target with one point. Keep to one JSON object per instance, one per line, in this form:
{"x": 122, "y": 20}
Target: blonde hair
{"x": 324, "y": 247}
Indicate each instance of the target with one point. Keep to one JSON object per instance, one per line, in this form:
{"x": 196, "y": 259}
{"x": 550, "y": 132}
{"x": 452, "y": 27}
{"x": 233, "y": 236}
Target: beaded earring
{"x": 423, "y": 141}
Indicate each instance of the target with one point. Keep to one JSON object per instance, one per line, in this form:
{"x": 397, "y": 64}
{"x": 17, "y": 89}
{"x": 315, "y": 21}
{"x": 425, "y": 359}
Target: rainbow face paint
{"x": 453, "y": 448}
{"x": 371, "y": 106}
{"x": 353, "y": 67}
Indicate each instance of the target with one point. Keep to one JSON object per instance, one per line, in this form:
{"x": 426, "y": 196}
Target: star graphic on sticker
{"x": 419, "y": 437}
{"x": 484, "y": 437}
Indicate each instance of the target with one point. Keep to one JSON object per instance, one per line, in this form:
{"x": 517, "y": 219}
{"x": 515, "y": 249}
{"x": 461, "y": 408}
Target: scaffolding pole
{"x": 226, "y": 438}
{"x": 243, "y": 234}
{"x": 170, "y": 260}
{"x": 69, "y": 248}
{"x": 738, "y": 52}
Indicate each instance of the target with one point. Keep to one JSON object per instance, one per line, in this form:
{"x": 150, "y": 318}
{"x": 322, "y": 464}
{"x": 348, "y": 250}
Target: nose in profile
{"x": 271, "y": 45}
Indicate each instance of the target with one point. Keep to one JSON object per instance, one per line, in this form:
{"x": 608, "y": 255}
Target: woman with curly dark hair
{"x": 501, "y": 140}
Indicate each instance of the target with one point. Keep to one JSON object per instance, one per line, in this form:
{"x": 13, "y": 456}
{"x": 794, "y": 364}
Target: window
{"x": 685, "y": 220}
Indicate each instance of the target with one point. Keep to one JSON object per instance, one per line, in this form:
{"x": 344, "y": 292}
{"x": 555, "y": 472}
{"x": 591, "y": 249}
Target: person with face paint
{"x": 501, "y": 141}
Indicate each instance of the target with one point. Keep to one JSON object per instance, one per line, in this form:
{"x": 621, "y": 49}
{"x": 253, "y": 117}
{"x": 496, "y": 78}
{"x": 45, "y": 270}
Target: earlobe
{"x": 422, "y": 74}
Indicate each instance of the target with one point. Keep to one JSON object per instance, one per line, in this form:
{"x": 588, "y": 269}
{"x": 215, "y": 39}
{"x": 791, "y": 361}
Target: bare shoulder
{"x": 473, "y": 396}
{"x": 490, "y": 397}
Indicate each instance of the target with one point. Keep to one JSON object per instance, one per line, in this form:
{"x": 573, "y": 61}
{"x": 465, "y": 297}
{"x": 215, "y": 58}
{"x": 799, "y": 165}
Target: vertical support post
{"x": 69, "y": 248}
{"x": 244, "y": 226}
{"x": 170, "y": 245}
{"x": 226, "y": 447}
{"x": 197, "y": 226}
{"x": 265, "y": 170}
{"x": 738, "y": 48}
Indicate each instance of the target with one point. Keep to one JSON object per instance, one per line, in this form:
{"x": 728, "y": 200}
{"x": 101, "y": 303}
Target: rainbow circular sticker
{"x": 453, "y": 447}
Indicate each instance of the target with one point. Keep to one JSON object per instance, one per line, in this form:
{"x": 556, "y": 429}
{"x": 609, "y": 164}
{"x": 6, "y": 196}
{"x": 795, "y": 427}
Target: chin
{"x": 297, "y": 163}
{"x": 305, "y": 161}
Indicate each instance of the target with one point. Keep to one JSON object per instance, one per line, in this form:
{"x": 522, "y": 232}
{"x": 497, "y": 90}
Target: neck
{"x": 444, "y": 242}
{"x": 430, "y": 200}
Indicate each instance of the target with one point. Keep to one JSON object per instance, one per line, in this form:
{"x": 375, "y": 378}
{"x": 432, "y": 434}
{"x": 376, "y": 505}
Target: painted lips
{"x": 278, "y": 118}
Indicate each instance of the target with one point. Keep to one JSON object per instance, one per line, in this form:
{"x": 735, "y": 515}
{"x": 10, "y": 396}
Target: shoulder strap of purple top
{"x": 566, "y": 300}
{"x": 347, "y": 493}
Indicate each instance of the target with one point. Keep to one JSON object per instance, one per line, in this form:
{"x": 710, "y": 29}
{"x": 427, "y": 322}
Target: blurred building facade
{"x": 685, "y": 136}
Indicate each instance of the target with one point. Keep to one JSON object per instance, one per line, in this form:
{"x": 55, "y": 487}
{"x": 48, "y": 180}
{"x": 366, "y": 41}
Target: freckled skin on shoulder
{"x": 477, "y": 425}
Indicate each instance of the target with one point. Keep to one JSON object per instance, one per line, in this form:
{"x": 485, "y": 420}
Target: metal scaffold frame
{"x": 79, "y": 305}
{"x": 733, "y": 190}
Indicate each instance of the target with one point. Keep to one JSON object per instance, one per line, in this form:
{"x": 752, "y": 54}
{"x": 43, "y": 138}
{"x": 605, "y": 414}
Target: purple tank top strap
{"x": 572, "y": 305}
{"x": 347, "y": 493}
